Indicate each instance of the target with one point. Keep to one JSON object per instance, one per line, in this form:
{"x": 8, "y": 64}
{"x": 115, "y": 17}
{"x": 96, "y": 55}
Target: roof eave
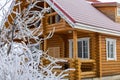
{"x": 104, "y": 4}
{"x": 94, "y": 29}
{"x": 82, "y": 26}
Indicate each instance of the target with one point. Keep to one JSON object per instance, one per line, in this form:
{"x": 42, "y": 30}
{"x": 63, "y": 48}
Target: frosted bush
{"x": 19, "y": 57}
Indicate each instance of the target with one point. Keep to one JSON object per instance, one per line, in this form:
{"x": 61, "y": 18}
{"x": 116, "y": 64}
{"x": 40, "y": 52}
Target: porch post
{"x": 45, "y": 43}
{"x": 100, "y": 59}
{"x": 43, "y": 21}
{"x": 45, "y": 4}
{"x": 75, "y": 45}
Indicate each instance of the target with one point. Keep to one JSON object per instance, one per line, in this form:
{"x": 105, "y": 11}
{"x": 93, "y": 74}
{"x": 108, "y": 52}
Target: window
{"x": 111, "y": 49}
{"x": 118, "y": 11}
{"x": 57, "y": 18}
{"x": 83, "y": 48}
{"x": 50, "y": 20}
{"x": 54, "y": 19}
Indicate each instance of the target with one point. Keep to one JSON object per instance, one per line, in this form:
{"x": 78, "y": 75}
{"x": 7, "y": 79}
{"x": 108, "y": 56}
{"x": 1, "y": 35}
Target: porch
{"x": 79, "y": 47}
{"x": 85, "y": 65}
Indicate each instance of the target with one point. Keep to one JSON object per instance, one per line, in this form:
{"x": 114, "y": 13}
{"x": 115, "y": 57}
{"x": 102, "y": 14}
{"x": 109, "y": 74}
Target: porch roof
{"x": 81, "y": 14}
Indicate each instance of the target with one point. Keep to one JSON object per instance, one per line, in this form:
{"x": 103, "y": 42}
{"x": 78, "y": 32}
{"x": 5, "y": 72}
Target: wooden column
{"x": 77, "y": 63}
{"x": 45, "y": 4}
{"x": 100, "y": 57}
{"x": 45, "y": 43}
{"x": 43, "y": 21}
{"x": 75, "y": 44}
{"x": 92, "y": 46}
{"x": 94, "y": 50}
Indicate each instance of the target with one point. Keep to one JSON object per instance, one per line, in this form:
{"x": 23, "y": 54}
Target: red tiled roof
{"x": 79, "y": 11}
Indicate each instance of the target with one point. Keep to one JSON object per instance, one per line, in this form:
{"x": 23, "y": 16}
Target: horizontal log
{"x": 51, "y": 14}
{"x": 87, "y": 61}
{"x": 88, "y": 73}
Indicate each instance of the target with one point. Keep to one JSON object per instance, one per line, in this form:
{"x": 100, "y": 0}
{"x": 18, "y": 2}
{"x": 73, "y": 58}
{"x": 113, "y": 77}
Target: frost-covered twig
{"x": 19, "y": 57}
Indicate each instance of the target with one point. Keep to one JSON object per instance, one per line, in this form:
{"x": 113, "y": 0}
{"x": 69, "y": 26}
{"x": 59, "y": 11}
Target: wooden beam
{"x": 100, "y": 57}
{"x": 77, "y": 67}
{"x": 93, "y": 45}
{"x": 75, "y": 44}
{"x": 45, "y": 43}
{"x": 45, "y": 4}
{"x": 44, "y": 32}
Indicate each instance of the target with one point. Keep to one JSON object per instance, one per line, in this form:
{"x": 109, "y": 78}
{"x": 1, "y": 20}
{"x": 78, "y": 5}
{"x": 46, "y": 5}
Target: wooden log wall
{"x": 62, "y": 41}
{"x": 56, "y": 42}
{"x": 110, "y": 67}
{"x": 108, "y": 11}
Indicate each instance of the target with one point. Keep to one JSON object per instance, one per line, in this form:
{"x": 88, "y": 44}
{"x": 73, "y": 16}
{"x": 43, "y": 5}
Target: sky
{"x": 6, "y": 7}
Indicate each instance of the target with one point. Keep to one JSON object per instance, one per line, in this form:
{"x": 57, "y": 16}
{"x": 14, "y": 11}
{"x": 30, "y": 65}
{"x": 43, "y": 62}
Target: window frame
{"x": 57, "y": 18}
{"x": 118, "y": 11}
{"x": 79, "y": 39}
{"x": 114, "y": 49}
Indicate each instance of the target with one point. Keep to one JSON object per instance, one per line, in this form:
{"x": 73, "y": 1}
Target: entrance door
{"x": 54, "y": 52}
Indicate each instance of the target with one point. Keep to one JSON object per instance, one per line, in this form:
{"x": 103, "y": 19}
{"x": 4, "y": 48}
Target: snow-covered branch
{"x": 19, "y": 36}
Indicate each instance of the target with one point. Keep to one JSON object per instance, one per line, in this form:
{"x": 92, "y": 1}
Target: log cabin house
{"x": 86, "y": 34}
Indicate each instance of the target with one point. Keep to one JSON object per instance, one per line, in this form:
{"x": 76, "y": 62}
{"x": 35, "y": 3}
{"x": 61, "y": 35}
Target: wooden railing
{"x": 84, "y": 68}
{"x": 88, "y": 68}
